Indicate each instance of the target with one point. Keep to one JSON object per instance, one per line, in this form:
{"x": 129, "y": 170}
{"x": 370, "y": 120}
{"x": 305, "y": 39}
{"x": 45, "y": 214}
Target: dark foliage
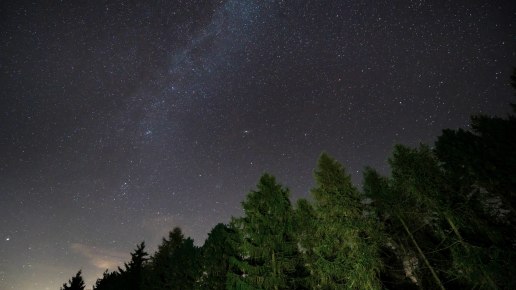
{"x": 76, "y": 283}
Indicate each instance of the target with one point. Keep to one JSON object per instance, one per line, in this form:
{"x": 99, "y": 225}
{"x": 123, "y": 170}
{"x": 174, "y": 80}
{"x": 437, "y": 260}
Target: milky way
{"x": 122, "y": 120}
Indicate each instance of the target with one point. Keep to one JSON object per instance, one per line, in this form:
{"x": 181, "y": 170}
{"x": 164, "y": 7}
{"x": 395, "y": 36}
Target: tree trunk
{"x": 434, "y": 274}
{"x": 461, "y": 240}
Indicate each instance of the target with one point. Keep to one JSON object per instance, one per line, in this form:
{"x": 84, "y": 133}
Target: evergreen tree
{"x": 215, "y": 253}
{"x": 399, "y": 271}
{"x": 76, "y": 283}
{"x": 479, "y": 166}
{"x": 235, "y": 272}
{"x": 430, "y": 220}
{"x": 109, "y": 281}
{"x": 133, "y": 275}
{"x": 418, "y": 201}
{"x": 268, "y": 251}
{"x": 175, "y": 265}
{"x": 346, "y": 255}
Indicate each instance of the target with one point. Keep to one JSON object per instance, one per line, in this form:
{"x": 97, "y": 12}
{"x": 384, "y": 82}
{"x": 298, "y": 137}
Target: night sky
{"x": 122, "y": 120}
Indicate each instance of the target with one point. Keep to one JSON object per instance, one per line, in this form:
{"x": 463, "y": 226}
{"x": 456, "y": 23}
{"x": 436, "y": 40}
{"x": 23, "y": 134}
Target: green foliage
{"x": 76, "y": 283}
{"x": 346, "y": 254}
{"x": 395, "y": 248}
{"x": 305, "y": 223}
{"x": 175, "y": 265}
{"x": 479, "y": 167}
{"x": 215, "y": 255}
{"x": 268, "y": 249}
{"x": 429, "y": 216}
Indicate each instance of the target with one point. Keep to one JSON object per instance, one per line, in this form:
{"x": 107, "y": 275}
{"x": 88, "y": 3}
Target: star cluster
{"x": 120, "y": 120}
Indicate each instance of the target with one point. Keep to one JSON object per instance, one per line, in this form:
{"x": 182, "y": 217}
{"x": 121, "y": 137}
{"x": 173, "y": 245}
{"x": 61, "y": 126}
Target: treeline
{"x": 444, "y": 218}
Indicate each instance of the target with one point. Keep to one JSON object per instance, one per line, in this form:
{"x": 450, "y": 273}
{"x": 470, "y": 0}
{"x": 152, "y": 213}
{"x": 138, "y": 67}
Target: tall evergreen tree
{"x": 479, "y": 167}
{"x": 133, "y": 275}
{"x": 400, "y": 267}
{"x": 76, "y": 283}
{"x": 268, "y": 249}
{"x": 215, "y": 255}
{"x": 347, "y": 254}
{"x": 175, "y": 265}
{"x": 419, "y": 203}
{"x": 428, "y": 219}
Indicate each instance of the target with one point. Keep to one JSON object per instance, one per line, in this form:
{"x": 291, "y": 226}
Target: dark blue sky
{"x": 120, "y": 120}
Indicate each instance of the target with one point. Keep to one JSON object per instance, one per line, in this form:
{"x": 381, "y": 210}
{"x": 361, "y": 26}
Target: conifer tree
{"x": 175, "y": 265}
{"x": 109, "y": 281}
{"x": 163, "y": 264}
{"x": 346, "y": 256}
{"x": 133, "y": 274}
{"x": 268, "y": 249}
{"x": 416, "y": 202}
{"x": 76, "y": 283}
{"x": 400, "y": 268}
{"x": 215, "y": 254}
{"x": 432, "y": 222}
{"x": 479, "y": 166}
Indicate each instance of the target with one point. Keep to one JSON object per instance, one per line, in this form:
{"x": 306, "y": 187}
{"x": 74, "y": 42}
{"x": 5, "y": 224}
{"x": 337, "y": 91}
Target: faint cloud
{"x": 98, "y": 257}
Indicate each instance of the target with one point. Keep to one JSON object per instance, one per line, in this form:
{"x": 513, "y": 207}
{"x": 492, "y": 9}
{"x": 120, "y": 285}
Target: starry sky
{"x": 120, "y": 120}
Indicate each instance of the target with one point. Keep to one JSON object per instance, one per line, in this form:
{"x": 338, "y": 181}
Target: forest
{"x": 443, "y": 218}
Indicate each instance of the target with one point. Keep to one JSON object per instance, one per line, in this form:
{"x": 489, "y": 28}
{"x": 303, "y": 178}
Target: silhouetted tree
{"x": 480, "y": 167}
{"x": 76, "y": 283}
{"x": 109, "y": 281}
{"x": 133, "y": 275}
{"x": 175, "y": 265}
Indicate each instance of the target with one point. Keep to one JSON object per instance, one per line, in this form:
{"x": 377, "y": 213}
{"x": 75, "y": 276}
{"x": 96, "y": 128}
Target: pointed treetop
{"x": 76, "y": 283}
{"x": 332, "y": 181}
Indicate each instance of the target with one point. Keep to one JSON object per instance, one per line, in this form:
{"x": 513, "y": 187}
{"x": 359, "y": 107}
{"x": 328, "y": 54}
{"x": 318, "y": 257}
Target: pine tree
{"x": 430, "y": 221}
{"x": 175, "y": 265}
{"x": 76, "y": 283}
{"x": 133, "y": 275}
{"x": 109, "y": 281}
{"x": 215, "y": 253}
{"x": 268, "y": 251}
{"x": 479, "y": 166}
{"x": 416, "y": 202}
{"x": 399, "y": 270}
{"x": 346, "y": 256}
